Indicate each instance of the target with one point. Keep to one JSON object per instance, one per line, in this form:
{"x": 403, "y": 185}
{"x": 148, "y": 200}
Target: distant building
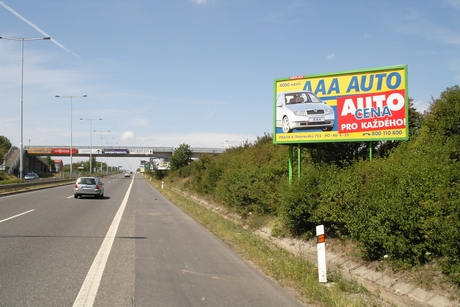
{"x": 58, "y": 166}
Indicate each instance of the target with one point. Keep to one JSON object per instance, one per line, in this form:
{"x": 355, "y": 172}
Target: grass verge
{"x": 288, "y": 270}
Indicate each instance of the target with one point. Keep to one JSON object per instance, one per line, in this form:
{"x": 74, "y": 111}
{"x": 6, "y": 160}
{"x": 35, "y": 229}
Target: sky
{"x": 201, "y": 72}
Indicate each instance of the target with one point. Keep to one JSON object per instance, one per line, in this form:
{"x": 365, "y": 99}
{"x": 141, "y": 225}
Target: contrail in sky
{"x": 35, "y": 27}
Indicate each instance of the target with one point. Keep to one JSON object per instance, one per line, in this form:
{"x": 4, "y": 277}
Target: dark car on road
{"x": 31, "y": 176}
{"x": 89, "y": 186}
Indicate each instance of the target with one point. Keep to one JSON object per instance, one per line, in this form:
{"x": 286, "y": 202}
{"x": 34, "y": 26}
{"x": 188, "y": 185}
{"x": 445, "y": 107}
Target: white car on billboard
{"x": 159, "y": 164}
{"x": 303, "y": 110}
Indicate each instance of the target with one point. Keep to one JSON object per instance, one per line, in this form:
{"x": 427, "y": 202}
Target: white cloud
{"x": 330, "y": 56}
{"x": 199, "y": 1}
{"x": 414, "y": 23}
{"x": 205, "y": 140}
{"x": 127, "y": 136}
{"x": 454, "y": 3}
{"x": 421, "y": 105}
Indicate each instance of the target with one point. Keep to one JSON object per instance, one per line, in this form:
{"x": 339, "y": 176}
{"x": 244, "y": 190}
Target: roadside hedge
{"x": 403, "y": 206}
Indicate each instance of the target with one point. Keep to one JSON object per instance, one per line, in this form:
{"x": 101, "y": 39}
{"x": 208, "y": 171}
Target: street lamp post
{"x": 71, "y": 97}
{"x": 90, "y": 141}
{"x": 101, "y": 142}
{"x": 21, "y": 157}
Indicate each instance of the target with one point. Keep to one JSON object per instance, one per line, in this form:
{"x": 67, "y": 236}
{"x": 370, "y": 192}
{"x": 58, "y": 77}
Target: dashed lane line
{"x": 88, "y": 291}
{"x": 4, "y": 220}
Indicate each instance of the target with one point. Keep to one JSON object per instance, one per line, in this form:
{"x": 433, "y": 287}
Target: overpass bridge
{"x": 110, "y": 151}
{"x": 158, "y": 157}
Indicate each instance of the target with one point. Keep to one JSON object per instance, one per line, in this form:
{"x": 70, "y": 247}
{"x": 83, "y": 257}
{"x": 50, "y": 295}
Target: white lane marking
{"x": 16, "y": 215}
{"x": 88, "y": 291}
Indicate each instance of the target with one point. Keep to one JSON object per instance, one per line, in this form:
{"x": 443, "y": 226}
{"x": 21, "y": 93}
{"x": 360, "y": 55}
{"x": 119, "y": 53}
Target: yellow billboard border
{"x": 334, "y": 136}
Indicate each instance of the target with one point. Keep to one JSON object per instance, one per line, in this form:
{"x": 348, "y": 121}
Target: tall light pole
{"x": 71, "y": 97}
{"x": 21, "y": 157}
{"x": 90, "y": 141}
{"x": 101, "y": 142}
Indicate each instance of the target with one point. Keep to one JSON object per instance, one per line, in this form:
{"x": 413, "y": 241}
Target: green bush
{"x": 404, "y": 204}
{"x": 250, "y": 190}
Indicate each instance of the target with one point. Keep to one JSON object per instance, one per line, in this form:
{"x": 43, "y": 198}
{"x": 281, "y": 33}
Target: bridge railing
{"x": 140, "y": 150}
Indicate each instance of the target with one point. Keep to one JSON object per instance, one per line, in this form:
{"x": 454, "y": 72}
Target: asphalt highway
{"x": 131, "y": 248}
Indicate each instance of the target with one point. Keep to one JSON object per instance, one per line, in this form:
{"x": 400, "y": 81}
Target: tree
{"x": 5, "y": 145}
{"x": 345, "y": 153}
{"x": 444, "y": 112}
{"x": 383, "y": 148}
{"x": 442, "y": 119}
{"x": 338, "y": 153}
{"x": 181, "y": 157}
{"x": 50, "y": 163}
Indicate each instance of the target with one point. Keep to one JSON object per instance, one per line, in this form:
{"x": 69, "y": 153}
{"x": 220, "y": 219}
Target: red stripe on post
{"x": 321, "y": 238}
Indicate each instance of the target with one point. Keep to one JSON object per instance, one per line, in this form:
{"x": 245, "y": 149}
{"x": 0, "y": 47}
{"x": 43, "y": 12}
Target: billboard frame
{"x": 387, "y": 82}
{"x": 382, "y": 95}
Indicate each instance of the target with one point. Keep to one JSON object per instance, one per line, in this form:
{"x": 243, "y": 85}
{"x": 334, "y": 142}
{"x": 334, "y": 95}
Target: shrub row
{"x": 404, "y": 205}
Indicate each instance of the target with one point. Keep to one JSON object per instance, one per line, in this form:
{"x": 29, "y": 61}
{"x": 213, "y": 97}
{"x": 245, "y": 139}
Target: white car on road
{"x": 89, "y": 186}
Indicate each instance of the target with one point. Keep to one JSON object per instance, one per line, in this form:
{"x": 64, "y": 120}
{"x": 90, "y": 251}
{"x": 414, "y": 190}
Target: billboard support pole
{"x": 299, "y": 155}
{"x": 370, "y": 150}
{"x": 290, "y": 164}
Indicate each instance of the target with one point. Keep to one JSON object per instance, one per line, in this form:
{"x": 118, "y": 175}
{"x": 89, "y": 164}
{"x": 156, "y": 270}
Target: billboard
{"x": 88, "y": 151}
{"x": 39, "y": 151}
{"x": 141, "y": 151}
{"x": 159, "y": 164}
{"x": 64, "y": 151}
{"x": 116, "y": 151}
{"x": 361, "y": 105}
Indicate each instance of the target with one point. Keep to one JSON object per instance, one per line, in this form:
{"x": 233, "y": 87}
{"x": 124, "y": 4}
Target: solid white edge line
{"x": 88, "y": 291}
{"x": 16, "y": 215}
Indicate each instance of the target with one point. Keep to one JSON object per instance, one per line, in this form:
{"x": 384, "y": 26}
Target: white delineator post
{"x": 321, "y": 249}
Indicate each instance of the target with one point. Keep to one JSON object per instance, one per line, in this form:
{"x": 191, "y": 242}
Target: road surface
{"x": 131, "y": 248}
